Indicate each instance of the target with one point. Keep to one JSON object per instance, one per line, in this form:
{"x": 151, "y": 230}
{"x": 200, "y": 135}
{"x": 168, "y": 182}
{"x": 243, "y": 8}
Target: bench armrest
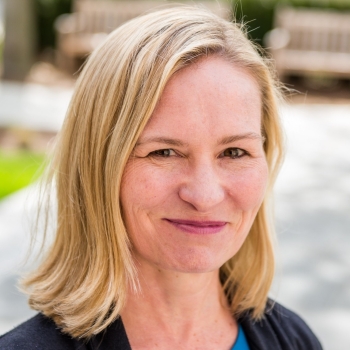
{"x": 70, "y": 23}
{"x": 277, "y": 39}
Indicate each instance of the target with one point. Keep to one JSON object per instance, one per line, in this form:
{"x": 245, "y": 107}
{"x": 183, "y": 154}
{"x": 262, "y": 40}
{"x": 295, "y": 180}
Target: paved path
{"x": 313, "y": 224}
{"x": 313, "y": 220}
{"x": 33, "y": 106}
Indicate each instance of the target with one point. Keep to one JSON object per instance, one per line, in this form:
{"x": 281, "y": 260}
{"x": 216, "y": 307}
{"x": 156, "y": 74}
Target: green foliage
{"x": 47, "y": 11}
{"x": 258, "y": 14}
{"x": 18, "y": 169}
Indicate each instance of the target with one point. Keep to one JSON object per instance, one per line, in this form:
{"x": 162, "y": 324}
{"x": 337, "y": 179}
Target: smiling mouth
{"x": 198, "y": 227}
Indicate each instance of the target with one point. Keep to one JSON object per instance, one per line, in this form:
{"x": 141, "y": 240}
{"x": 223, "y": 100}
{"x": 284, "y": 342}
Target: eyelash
{"x": 236, "y": 150}
{"x": 157, "y": 153}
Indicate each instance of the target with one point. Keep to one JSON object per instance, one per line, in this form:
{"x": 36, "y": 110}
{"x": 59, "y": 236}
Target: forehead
{"x": 209, "y": 97}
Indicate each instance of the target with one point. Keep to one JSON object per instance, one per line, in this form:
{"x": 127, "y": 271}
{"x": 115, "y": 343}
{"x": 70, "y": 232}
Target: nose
{"x": 202, "y": 187}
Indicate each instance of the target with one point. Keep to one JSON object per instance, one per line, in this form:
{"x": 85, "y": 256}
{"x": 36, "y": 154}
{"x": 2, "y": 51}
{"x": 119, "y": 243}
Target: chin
{"x": 195, "y": 264}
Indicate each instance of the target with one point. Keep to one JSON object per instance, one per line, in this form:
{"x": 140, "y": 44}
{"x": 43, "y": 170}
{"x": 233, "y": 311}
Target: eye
{"x": 233, "y": 153}
{"x": 163, "y": 153}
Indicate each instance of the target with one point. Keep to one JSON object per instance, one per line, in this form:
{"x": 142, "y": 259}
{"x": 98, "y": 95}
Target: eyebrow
{"x": 179, "y": 143}
{"x": 233, "y": 138}
{"x": 164, "y": 140}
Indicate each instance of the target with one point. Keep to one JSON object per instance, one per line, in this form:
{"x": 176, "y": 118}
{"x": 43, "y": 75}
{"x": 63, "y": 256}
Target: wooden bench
{"x": 311, "y": 42}
{"x": 80, "y": 32}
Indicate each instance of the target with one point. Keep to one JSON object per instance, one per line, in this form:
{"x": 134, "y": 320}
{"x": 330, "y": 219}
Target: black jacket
{"x": 280, "y": 329}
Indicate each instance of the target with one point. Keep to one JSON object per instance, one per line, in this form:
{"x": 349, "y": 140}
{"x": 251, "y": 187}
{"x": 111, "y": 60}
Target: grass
{"x": 18, "y": 169}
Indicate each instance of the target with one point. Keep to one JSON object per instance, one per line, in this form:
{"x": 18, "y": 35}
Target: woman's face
{"x": 198, "y": 174}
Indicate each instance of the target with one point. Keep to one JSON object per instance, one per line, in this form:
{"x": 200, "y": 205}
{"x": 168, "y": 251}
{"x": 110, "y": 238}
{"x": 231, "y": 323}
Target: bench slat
{"x": 318, "y": 42}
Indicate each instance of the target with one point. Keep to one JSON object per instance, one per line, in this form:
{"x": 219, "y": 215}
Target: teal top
{"x": 241, "y": 341}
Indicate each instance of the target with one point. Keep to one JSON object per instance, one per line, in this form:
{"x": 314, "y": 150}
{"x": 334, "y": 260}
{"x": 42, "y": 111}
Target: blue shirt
{"x": 241, "y": 341}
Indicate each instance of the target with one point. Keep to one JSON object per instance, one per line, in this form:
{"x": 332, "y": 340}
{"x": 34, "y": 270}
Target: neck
{"x": 177, "y": 305}
{"x": 177, "y": 294}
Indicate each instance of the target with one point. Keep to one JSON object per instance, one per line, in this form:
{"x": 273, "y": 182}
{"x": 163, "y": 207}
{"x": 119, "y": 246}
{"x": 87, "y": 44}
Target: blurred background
{"x": 43, "y": 43}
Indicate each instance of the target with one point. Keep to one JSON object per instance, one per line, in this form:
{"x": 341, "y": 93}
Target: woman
{"x": 163, "y": 172}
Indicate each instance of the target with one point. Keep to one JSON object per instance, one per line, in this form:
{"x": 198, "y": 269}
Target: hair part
{"x": 83, "y": 280}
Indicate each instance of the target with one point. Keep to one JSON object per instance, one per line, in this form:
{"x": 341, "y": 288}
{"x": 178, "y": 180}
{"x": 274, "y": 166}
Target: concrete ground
{"x": 312, "y": 218}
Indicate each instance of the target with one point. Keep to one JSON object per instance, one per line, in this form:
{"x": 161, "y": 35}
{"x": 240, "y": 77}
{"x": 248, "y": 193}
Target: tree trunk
{"x": 20, "y": 38}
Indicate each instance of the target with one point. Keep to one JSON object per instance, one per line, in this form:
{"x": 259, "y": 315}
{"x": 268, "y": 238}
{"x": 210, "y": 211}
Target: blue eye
{"x": 163, "y": 153}
{"x": 233, "y": 153}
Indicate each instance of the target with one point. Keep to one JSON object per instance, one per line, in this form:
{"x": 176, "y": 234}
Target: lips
{"x": 198, "y": 227}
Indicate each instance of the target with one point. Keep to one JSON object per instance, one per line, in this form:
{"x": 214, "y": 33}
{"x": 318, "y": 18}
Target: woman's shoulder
{"x": 39, "y": 333}
{"x": 280, "y": 328}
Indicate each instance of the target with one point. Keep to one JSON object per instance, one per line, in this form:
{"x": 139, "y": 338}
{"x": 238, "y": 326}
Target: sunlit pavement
{"x": 313, "y": 220}
{"x": 33, "y": 106}
{"x": 313, "y": 226}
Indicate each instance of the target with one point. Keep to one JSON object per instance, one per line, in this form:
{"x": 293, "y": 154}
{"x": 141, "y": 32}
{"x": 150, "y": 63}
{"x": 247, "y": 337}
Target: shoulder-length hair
{"x": 83, "y": 279}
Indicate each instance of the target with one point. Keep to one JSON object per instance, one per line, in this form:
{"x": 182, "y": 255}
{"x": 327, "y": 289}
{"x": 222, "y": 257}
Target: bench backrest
{"x": 315, "y": 30}
{"x": 104, "y": 16}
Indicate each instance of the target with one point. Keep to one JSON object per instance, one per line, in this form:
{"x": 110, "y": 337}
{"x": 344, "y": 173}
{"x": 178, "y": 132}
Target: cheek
{"x": 249, "y": 186}
{"x": 144, "y": 187}
{"x": 138, "y": 197}
{"x": 135, "y": 192}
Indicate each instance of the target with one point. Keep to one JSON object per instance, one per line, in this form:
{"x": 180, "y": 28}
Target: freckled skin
{"x": 197, "y": 179}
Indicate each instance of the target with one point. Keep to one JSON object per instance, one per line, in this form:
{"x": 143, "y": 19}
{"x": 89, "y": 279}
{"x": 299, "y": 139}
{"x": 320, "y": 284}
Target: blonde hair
{"x": 83, "y": 279}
